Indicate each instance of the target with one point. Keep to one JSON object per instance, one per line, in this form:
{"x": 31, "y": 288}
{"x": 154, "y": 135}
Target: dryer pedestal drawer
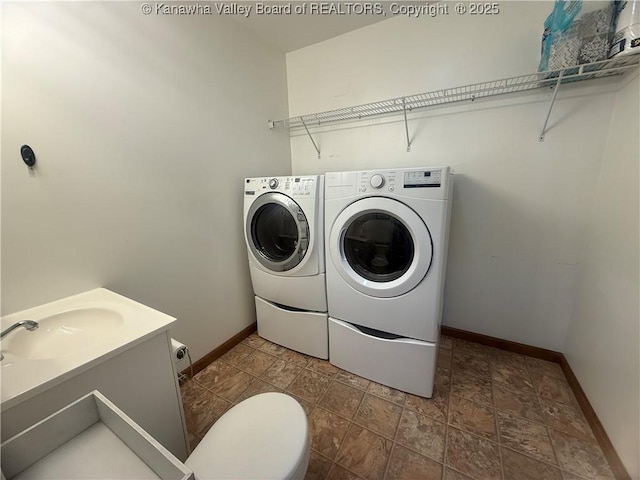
{"x": 299, "y": 330}
{"x": 305, "y": 293}
{"x": 402, "y": 363}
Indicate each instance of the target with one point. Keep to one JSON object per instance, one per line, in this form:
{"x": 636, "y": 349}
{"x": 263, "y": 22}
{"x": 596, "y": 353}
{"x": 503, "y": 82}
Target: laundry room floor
{"x": 494, "y": 415}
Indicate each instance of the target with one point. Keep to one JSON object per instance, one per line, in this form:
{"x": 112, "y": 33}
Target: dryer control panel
{"x": 380, "y": 181}
{"x": 305, "y": 186}
{"x": 423, "y": 179}
{"x": 420, "y": 182}
{"x": 390, "y": 180}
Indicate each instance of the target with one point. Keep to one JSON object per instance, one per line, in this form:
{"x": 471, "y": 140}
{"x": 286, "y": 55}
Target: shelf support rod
{"x": 406, "y": 125}
{"x": 310, "y": 137}
{"x": 553, "y": 100}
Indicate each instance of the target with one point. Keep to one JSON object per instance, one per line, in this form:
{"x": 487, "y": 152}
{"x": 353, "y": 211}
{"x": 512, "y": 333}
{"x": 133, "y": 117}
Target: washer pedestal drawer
{"x": 299, "y": 330}
{"x": 403, "y": 363}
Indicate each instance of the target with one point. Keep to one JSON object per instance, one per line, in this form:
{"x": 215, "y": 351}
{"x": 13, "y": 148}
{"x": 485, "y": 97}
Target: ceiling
{"x": 290, "y": 32}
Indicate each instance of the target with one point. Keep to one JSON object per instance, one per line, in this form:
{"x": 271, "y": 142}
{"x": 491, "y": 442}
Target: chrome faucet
{"x": 28, "y": 324}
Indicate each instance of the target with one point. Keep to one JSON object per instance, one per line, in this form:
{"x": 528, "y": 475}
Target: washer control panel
{"x": 292, "y": 186}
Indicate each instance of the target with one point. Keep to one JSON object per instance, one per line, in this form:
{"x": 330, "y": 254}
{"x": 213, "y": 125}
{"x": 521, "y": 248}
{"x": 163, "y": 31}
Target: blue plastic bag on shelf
{"x": 577, "y": 32}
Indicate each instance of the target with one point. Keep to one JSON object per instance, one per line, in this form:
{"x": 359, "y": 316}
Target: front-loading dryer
{"x": 284, "y": 225}
{"x": 386, "y": 237}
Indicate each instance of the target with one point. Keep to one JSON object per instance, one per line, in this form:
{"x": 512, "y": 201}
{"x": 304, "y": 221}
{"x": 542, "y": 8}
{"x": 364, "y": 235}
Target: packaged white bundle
{"x": 627, "y": 37}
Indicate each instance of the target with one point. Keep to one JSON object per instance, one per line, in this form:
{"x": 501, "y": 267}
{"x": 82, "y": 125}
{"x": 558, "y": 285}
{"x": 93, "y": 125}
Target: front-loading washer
{"x": 386, "y": 234}
{"x": 284, "y": 225}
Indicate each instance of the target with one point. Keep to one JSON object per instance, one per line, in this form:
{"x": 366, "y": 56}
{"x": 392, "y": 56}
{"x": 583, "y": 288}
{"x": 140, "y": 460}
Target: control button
{"x": 377, "y": 181}
{"x": 363, "y": 189}
{"x": 391, "y": 189}
{"x": 273, "y": 183}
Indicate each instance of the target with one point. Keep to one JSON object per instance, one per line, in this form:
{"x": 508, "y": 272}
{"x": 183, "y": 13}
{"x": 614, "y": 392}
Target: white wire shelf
{"x": 409, "y": 103}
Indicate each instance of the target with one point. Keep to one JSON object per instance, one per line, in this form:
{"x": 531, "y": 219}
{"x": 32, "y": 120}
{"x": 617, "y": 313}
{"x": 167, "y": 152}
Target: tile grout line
{"x": 446, "y": 420}
{"x": 553, "y": 448}
{"x": 496, "y": 443}
{"x": 498, "y": 435}
{"x": 333, "y": 462}
{"x": 302, "y": 369}
{"x": 511, "y": 449}
{"x": 500, "y": 460}
{"x": 394, "y": 441}
{"x": 351, "y": 423}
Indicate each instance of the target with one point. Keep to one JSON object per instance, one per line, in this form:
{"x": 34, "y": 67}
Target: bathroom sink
{"x": 77, "y": 336}
{"x": 65, "y": 333}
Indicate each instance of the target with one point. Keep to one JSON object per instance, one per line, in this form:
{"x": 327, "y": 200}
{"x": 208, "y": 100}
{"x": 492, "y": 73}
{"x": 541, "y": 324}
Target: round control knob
{"x": 273, "y": 183}
{"x": 377, "y": 181}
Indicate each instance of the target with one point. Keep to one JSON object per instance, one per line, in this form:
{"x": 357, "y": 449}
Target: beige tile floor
{"x": 494, "y": 415}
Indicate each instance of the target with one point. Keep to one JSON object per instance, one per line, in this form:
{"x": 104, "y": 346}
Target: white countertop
{"x": 22, "y": 378}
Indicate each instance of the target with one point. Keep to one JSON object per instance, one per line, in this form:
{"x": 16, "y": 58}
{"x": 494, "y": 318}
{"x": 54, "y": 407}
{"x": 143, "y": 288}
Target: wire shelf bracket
{"x": 407, "y": 104}
{"x": 310, "y": 137}
{"x": 406, "y": 125}
{"x": 553, "y": 100}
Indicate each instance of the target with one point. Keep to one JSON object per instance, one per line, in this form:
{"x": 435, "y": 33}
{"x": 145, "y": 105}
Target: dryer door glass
{"x": 275, "y": 232}
{"x": 378, "y": 247}
{"x": 279, "y": 232}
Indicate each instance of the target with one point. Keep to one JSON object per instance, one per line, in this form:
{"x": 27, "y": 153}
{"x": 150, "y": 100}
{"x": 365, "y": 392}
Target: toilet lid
{"x": 263, "y": 437}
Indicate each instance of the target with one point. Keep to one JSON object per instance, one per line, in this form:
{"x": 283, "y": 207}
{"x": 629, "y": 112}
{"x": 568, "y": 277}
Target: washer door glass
{"x": 380, "y": 247}
{"x": 278, "y": 232}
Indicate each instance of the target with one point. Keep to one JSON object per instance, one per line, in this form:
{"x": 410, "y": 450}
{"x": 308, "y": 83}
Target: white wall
{"x": 603, "y": 342}
{"x": 144, "y": 127}
{"x": 520, "y": 205}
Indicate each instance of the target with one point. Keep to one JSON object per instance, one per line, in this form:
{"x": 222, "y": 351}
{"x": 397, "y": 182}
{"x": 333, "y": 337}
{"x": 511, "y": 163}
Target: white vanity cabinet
{"x": 133, "y": 369}
{"x": 141, "y": 381}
